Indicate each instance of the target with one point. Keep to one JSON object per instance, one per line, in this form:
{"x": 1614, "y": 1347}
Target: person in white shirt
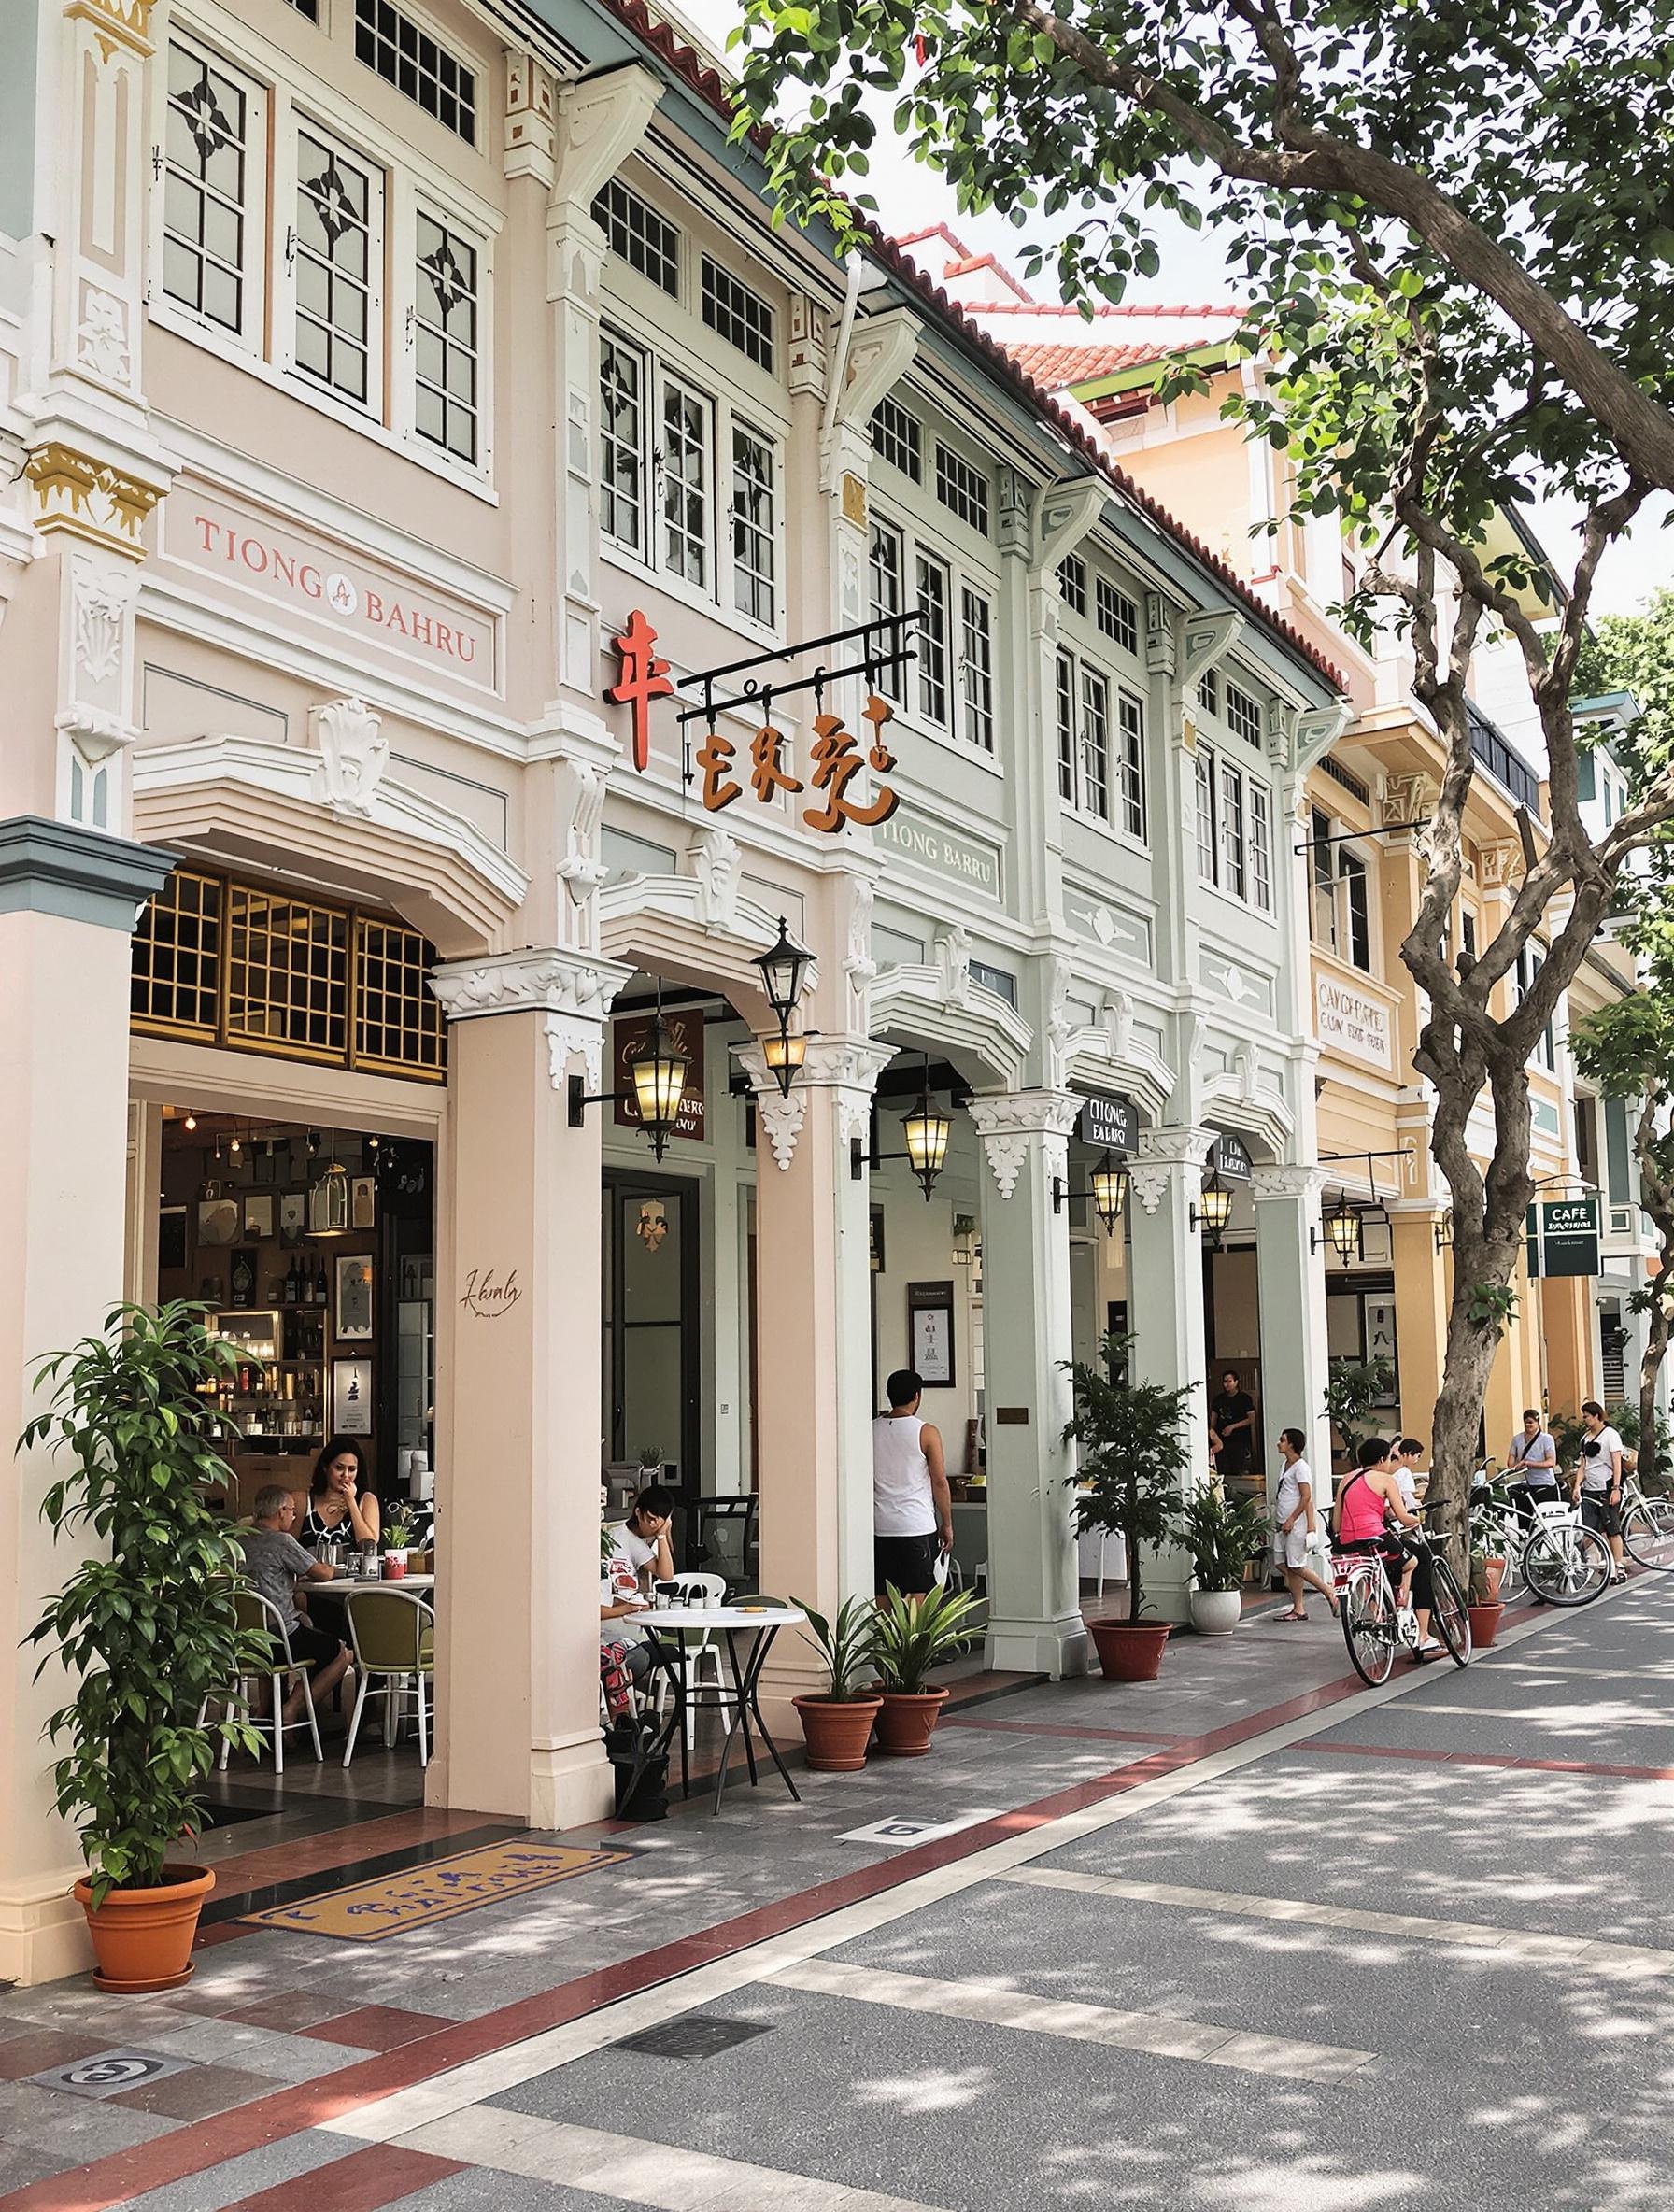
{"x": 1293, "y": 1520}
{"x": 1597, "y": 1483}
{"x": 912, "y": 1506}
{"x": 643, "y": 1538}
{"x": 1532, "y": 1465}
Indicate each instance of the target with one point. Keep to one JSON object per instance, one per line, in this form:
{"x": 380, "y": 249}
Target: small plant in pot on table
{"x": 1133, "y": 1456}
{"x": 837, "y": 1723}
{"x": 146, "y": 1628}
{"x": 1223, "y": 1535}
{"x": 912, "y": 1636}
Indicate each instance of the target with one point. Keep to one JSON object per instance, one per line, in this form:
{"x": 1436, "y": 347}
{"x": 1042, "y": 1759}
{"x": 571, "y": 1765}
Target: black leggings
{"x": 1395, "y": 1564}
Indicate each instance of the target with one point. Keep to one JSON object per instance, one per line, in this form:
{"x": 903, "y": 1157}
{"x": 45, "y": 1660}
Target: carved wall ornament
{"x": 718, "y": 862}
{"x": 1405, "y": 798}
{"x": 102, "y": 335}
{"x": 354, "y": 754}
{"x": 1066, "y": 511}
{"x": 1159, "y": 635}
{"x": 1501, "y": 864}
{"x": 1206, "y": 640}
{"x": 102, "y": 593}
{"x": 581, "y": 786}
{"x": 953, "y": 965}
{"x": 577, "y": 986}
{"x": 90, "y": 498}
{"x": 530, "y": 117}
{"x": 601, "y": 121}
{"x": 780, "y": 1118}
{"x": 116, "y": 24}
{"x": 857, "y": 963}
{"x": 1005, "y": 1122}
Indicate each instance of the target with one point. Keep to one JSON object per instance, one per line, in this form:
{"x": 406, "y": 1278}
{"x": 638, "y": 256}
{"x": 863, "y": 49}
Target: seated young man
{"x": 275, "y": 1563}
{"x": 644, "y": 1539}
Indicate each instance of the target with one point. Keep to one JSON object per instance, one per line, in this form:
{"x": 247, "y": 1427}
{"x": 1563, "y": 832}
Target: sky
{"x": 911, "y": 196}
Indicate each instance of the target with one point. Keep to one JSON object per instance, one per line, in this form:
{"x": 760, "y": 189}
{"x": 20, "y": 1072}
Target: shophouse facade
{"x": 367, "y": 375}
{"x": 1362, "y": 812}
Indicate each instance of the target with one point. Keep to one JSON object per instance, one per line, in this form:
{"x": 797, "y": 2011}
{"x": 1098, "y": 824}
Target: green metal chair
{"x": 394, "y": 1634}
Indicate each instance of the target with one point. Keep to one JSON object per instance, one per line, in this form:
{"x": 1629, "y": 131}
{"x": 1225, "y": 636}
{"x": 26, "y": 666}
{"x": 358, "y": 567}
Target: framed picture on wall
{"x": 351, "y": 1398}
{"x": 929, "y": 1332}
{"x": 258, "y": 1213}
{"x": 363, "y": 1202}
{"x": 219, "y": 1220}
{"x": 354, "y": 1297}
{"x": 293, "y": 1217}
{"x": 171, "y": 1239}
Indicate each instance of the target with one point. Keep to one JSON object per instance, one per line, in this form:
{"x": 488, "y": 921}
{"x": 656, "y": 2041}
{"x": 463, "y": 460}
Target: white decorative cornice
{"x": 1206, "y": 642}
{"x": 846, "y": 1067}
{"x": 601, "y": 121}
{"x": 1007, "y": 1120}
{"x": 1167, "y": 1157}
{"x": 1064, "y": 511}
{"x": 580, "y": 986}
{"x": 1269, "y": 1181}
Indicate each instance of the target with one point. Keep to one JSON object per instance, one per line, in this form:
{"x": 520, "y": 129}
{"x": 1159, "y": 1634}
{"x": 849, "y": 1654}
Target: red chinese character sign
{"x": 642, "y": 678}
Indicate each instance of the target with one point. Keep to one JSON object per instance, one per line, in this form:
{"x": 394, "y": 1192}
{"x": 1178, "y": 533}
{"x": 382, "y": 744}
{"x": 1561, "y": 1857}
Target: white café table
{"x": 758, "y": 1624}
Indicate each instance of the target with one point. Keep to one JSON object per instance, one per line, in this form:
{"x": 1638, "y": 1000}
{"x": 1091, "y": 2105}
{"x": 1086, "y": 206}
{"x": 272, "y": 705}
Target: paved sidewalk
{"x": 1202, "y": 1920}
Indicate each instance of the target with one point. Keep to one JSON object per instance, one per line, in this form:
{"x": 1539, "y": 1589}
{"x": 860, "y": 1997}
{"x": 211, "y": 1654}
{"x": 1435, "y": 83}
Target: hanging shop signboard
{"x": 1107, "y": 1124}
{"x": 685, "y": 1029}
{"x": 835, "y": 757}
{"x": 1230, "y": 1158}
{"x": 1564, "y": 1239}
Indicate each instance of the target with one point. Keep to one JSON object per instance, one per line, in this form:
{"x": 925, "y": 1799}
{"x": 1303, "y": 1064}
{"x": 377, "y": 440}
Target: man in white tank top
{"x": 912, "y": 1506}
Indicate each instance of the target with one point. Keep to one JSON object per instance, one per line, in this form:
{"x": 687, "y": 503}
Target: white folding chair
{"x": 687, "y": 1589}
{"x": 261, "y": 1614}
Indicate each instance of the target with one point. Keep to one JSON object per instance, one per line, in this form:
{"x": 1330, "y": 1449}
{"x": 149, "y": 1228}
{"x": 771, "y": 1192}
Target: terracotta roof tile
{"x": 709, "y": 84}
{"x": 1056, "y": 366}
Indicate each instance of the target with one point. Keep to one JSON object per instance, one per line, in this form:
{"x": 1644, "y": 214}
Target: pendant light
{"x": 328, "y": 1201}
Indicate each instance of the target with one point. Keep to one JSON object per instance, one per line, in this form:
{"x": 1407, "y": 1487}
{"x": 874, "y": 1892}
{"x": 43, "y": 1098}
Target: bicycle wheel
{"x": 1511, "y": 1582}
{"x": 1647, "y": 1532}
{"x": 1369, "y": 1627}
{"x": 1449, "y": 1612}
{"x": 1568, "y": 1565}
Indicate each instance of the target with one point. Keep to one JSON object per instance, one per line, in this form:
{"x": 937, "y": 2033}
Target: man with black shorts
{"x": 912, "y": 1506}
{"x": 274, "y": 1563}
{"x": 1597, "y": 1483}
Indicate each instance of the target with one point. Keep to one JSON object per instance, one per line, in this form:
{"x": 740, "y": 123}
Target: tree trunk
{"x": 1650, "y": 1367}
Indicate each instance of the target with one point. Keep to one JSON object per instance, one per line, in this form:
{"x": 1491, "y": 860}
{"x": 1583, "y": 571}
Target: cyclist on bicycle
{"x": 1367, "y": 1504}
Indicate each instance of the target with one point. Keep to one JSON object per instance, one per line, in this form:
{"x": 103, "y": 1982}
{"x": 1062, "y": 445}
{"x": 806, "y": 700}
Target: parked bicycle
{"x": 1647, "y": 1524}
{"x": 1375, "y": 1624}
{"x": 1548, "y": 1550}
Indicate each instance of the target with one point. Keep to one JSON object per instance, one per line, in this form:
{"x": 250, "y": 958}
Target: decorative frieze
{"x": 575, "y": 991}
{"x": 90, "y": 499}
{"x": 1008, "y": 1121}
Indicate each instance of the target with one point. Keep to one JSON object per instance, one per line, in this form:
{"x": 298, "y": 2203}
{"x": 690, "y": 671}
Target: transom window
{"x": 218, "y": 962}
{"x": 962, "y": 489}
{"x": 897, "y": 438}
{"x": 206, "y": 188}
{"x": 669, "y": 453}
{"x": 1072, "y": 583}
{"x": 444, "y": 337}
{"x": 1235, "y": 829}
{"x": 639, "y": 236}
{"x": 1116, "y": 614}
{"x": 1244, "y": 716}
{"x": 733, "y": 311}
{"x": 337, "y": 247}
{"x": 417, "y": 64}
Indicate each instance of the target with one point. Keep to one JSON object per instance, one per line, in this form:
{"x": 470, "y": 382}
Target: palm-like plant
{"x": 1223, "y": 1535}
{"x": 914, "y": 1634}
{"x": 847, "y": 1645}
{"x": 1132, "y": 1453}
{"x": 148, "y": 1629}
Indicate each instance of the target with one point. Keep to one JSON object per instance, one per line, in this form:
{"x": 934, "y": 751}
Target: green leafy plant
{"x": 398, "y": 1535}
{"x": 149, "y": 1630}
{"x": 1132, "y": 1451}
{"x": 1223, "y": 1535}
{"x": 1493, "y": 1306}
{"x": 914, "y": 1634}
{"x": 848, "y": 1644}
{"x": 1353, "y": 1389}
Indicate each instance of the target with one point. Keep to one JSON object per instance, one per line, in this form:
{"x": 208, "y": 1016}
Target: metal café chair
{"x": 726, "y": 1537}
{"x": 686, "y": 1590}
{"x": 257, "y": 1614}
{"x": 393, "y": 1636}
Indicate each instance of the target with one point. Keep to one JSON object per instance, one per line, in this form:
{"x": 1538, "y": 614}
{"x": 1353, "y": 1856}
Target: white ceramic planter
{"x": 1215, "y": 1612}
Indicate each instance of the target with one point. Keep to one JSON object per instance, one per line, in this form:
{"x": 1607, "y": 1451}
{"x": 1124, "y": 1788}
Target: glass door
{"x": 651, "y": 1340}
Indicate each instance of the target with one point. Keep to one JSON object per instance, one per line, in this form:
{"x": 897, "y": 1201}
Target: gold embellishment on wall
{"x": 116, "y": 22}
{"x": 89, "y": 498}
{"x": 217, "y": 962}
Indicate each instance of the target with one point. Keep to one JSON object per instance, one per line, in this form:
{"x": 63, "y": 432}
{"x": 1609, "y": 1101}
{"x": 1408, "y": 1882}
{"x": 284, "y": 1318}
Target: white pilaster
{"x": 1291, "y": 1290}
{"x": 1034, "y": 1618}
{"x": 1166, "y": 1263}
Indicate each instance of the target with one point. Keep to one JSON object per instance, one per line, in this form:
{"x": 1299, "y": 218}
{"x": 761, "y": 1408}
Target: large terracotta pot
{"x": 1484, "y": 1625}
{"x": 1130, "y": 1650}
{"x": 1494, "y": 1573}
{"x": 837, "y": 1731}
{"x": 908, "y": 1720}
{"x": 142, "y": 1939}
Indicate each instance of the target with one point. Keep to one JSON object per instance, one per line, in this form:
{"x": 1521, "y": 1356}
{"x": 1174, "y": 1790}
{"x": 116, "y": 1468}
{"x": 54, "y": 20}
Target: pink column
{"x": 519, "y": 1416}
{"x": 68, "y": 899}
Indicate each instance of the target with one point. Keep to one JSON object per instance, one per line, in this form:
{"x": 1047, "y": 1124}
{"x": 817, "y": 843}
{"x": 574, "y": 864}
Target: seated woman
{"x": 342, "y": 1507}
{"x": 1369, "y": 1508}
{"x": 275, "y": 1563}
{"x": 624, "y": 1655}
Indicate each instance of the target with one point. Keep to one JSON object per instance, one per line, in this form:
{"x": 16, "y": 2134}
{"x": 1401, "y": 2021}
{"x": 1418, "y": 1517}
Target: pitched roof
{"x": 713, "y": 89}
{"x": 1057, "y": 366}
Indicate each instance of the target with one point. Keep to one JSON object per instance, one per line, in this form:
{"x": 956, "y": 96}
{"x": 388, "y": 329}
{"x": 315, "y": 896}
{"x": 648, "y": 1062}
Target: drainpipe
{"x": 839, "y": 374}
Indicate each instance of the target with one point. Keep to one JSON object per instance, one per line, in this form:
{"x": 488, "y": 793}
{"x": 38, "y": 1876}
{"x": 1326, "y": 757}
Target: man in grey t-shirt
{"x": 274, "y": 1563}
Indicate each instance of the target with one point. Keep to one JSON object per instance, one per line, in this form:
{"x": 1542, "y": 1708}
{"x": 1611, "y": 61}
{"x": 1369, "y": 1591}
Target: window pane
{"x": 1095, "y": 743}
{"x": 1232, "y": 831}
{"x": 685, "y": 483}
{"x": 205, "y": 192}
{"x": 335, "y": 201}
{"x": 621, "y": 438}
{"x": 1066, "y": 727}
{"x": 1130, "y": 718}
{"x": 932, "y": 639}
{"x": 1208, "y": 849}
{"x": 885, "y": 568}
{"x": 753, "y": 533}
{"x": 976, "y": 668}
{"x": 444, "y": 331}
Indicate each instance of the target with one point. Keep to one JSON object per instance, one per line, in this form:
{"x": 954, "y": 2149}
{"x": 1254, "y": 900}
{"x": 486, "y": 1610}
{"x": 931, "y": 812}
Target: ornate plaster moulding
{"x": 1007, "y": 1122}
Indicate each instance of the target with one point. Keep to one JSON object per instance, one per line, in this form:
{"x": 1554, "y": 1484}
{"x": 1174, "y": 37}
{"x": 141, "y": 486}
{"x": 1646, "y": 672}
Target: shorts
{"x": 1596, "y": 1512}
{"x": 1294, "y": 1542}
{"x": 908, "y": 1562}
{"x": 314, "y": 1647}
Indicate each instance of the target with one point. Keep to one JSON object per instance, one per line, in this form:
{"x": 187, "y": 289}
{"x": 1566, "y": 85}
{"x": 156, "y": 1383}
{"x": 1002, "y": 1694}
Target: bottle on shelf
{"x": 287, "y": 1291}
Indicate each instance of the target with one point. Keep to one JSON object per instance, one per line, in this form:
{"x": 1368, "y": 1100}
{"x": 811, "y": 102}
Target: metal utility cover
{"x": 903, "y": 1830}
{"x": 108, "y": 2073}
{"x": 699, "y": 2035}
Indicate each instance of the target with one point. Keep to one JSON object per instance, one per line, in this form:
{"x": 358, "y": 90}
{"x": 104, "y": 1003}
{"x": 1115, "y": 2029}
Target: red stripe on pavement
{"x": 108, "y": 2181}
{"x": 1051, "y": 1728}
{"x": 382, "y": 2173}
{"x": 1502, "y": 1759}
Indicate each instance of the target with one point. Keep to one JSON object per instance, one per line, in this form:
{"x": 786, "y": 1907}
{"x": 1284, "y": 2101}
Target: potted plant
{"x": 1133, "y": 1456}
{"x": 837, "y": 1723}
{"x": 146, "y": 1628}
{"x": 1223, "y": 1535}
{"x": 650, "y": 1464}
{"x": 398, "y": 1536}
{"x": 1483, "y": 1604}
{"x": 913, "y": 1635}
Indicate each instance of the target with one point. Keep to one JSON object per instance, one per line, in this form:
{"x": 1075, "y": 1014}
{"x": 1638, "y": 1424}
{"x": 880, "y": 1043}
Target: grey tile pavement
{"x": 245, "y": 2176}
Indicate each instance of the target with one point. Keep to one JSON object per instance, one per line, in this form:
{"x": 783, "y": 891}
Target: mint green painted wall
{"x": 19, "y": 24}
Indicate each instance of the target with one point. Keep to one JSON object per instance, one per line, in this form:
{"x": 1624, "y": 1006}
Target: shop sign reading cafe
{"x": 835, "y": 755}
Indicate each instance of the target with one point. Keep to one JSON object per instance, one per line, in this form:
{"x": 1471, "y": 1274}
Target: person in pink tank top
{"x": 1367, "y": 1505}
